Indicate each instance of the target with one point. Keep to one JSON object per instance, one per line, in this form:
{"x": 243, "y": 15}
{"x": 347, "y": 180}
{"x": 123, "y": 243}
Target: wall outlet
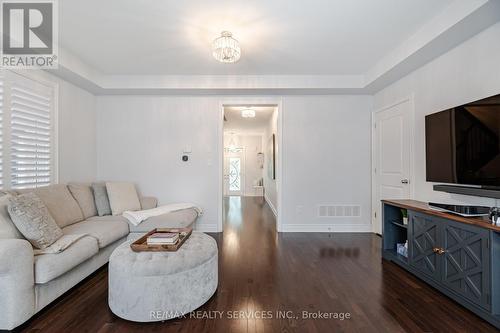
{"x": 299, "y": 209}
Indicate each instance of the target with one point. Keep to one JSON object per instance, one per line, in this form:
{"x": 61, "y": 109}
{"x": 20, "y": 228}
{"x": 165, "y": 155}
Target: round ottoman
{"x": 155, "y": 286}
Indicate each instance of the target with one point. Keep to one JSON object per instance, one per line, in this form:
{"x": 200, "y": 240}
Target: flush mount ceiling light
{"x": 248, "y": 113}
{"x": 226, "y": 49}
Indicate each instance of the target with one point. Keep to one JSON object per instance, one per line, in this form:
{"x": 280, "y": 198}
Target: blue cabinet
{"x": 453, "y": 254}
{"x": 423, "y": 239}
{"x": 462, "y": 260}
{"x": 466, "y": 262}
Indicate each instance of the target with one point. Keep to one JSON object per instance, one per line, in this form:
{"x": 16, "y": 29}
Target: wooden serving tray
{"x": 141, "y": 244}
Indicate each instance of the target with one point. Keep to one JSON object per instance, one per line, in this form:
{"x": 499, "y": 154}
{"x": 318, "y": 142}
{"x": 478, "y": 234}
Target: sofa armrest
{"x": 17, "y": 282}
{"x": 148, "y": 202}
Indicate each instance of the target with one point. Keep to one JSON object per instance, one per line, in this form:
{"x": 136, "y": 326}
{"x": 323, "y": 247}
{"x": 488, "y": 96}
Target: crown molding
{"x": 459, "y": 22}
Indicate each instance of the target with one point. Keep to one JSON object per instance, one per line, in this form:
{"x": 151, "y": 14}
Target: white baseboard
{"x": 275, "y": 212}
{"x": 203, "y": 227}
{"x": 326, "y": 228}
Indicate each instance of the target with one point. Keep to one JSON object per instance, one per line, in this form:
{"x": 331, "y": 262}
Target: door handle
{"x": 405, "y": 181}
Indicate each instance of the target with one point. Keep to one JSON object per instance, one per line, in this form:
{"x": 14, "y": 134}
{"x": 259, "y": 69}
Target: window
{"x": 27, "y": 122}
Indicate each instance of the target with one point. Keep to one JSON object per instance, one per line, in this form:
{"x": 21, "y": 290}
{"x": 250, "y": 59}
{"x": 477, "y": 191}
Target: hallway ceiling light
{"x": 226, "y": 49}
{"x": 248, "y": 113}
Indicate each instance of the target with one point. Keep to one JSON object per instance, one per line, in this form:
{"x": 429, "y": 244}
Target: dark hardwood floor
{"x": 262, "y": 272}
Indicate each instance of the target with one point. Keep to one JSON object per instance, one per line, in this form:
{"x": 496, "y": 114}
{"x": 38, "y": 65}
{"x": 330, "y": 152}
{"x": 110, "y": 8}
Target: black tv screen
{"x": 463, "y": 144}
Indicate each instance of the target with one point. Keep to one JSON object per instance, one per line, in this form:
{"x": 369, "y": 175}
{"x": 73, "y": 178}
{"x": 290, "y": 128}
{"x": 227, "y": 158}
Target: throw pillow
{"x": 101, "y": 199}
{"x": 85, "y": 198}
{"x": 122, "y": 196}
{"x": 60, "y": 203}
{"x": 33, "y": 220}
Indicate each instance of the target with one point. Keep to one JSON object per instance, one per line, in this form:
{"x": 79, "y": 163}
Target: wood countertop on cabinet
{"x": 424, "y": 207}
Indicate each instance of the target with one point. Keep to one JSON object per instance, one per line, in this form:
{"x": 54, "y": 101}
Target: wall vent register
{"x": 339, "y": 211}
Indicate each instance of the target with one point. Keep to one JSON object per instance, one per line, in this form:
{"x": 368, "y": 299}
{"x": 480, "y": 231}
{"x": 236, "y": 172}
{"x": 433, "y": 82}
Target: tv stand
{"x": 459, "y": 256}
{"x": 487, "y": 192}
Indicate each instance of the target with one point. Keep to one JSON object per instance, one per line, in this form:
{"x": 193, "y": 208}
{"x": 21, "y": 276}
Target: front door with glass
{"x": 234, "y": 163}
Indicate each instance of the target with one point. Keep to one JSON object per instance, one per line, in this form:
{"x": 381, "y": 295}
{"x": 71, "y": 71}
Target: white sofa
{"x": 28, "y": 283}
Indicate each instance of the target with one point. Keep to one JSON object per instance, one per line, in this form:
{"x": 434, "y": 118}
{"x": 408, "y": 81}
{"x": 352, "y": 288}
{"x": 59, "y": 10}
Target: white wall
{"x": 252, "y": 145}
{"x": 141, "y": 139}
{"x": 77, "y": 134}
{"x": 469, "y": 72}
{"x": 270, "y": 185}
{"x": 326, "y": 160}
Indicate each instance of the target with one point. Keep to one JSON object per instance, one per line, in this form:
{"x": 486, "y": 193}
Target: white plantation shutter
{"x": 31, "y": 120}
{"x": 27, "y": 128}
{"x": 27, "y": 131}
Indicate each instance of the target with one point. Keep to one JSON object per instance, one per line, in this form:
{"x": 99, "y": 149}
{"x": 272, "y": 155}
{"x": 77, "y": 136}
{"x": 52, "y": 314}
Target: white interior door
{"x": 392, "y": 157}
{"x": 234, "y": 175}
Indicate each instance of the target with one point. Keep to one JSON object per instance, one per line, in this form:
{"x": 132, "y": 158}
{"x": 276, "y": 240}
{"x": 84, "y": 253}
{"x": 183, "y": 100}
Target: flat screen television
{"x": 463, "y": 144}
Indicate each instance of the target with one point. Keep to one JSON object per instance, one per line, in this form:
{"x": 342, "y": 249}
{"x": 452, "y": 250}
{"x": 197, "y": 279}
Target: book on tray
{"x": 163, "y": 238}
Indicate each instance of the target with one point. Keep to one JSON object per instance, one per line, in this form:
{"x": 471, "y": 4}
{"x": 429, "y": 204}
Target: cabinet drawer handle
{"x": 438, "y": 250}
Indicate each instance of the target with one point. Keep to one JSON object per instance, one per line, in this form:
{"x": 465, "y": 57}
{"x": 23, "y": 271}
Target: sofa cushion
{"x": 122, "y": 196}
{"x": 101, "y": 199}
{"x": 61, "y": 204}
{"x": 148, "y": 202}
{"x": 105, "y": 231}
{"x": 7, "y": 228}
{"x": 179, "y": 219}
{"x": 108, "y": 218}
{"x": 51, "y": 266}
{"x": 33, "y": 220}
{"x": 84, "y": 197}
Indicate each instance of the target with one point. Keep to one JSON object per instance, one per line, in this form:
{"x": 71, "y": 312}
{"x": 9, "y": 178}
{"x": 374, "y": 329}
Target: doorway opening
{"x": 250, "y": 160}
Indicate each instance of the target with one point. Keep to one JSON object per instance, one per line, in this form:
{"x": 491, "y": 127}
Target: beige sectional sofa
{"x": 28, "y": 283}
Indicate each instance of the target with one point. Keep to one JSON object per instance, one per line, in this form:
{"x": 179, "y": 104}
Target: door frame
{"x": 411, "y": 177}
{"x": 245, "y": 101}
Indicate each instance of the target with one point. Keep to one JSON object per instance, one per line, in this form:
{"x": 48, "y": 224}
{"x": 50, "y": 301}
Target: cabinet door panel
{"x": 466, "y": 262}
{"x": 424, "y": 237}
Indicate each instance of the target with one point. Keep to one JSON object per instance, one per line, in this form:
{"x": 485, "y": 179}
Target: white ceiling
{"x": 286, "y": 37}
{"x": 236, "y": 123}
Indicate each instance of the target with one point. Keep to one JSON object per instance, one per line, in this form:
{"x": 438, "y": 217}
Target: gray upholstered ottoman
{"x": 155, "y": 286}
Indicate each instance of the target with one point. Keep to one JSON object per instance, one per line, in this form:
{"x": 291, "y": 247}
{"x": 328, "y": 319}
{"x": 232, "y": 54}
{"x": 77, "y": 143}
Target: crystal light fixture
{"x": 248, "y": 113}
{"x": 226, "y": 49}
